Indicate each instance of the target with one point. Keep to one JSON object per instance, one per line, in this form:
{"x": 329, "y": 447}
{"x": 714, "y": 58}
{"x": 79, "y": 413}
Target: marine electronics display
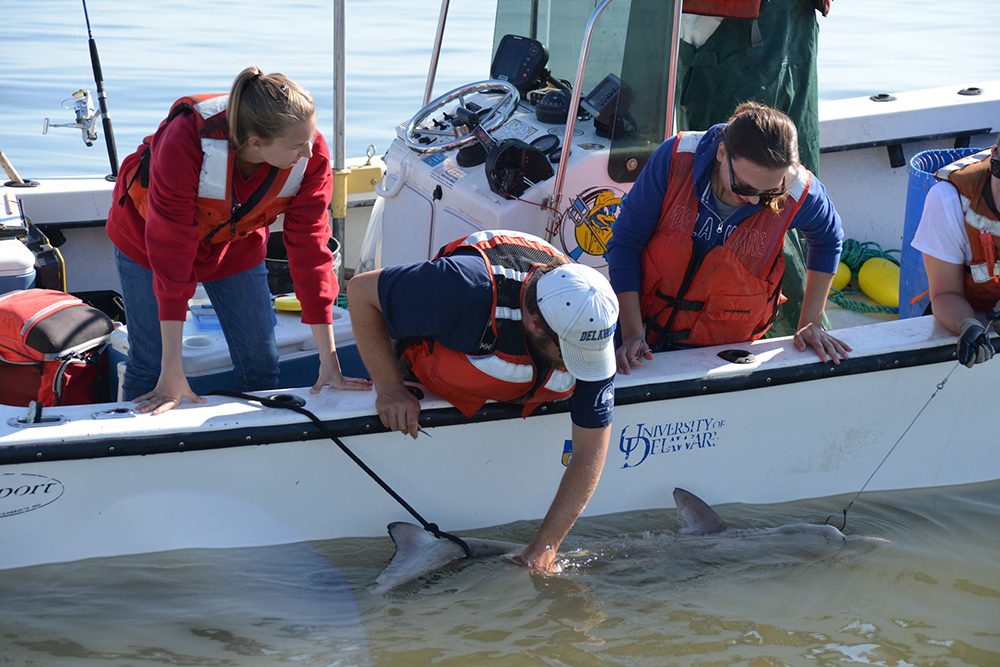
{"x": 521, "y": 61}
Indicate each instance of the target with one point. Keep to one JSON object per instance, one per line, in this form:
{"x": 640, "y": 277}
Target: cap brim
{"x": 589, "y": 365}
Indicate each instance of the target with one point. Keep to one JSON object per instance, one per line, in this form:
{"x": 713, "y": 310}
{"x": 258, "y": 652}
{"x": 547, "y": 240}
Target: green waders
{"x": 771, "y": 60}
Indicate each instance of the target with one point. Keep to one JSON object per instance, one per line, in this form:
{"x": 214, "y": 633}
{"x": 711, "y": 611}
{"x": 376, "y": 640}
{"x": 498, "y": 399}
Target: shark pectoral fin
{"x": 696, "y": 517}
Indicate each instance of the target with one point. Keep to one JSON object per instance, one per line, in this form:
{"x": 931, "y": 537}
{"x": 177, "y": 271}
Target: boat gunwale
{"x": 301, "y": 431}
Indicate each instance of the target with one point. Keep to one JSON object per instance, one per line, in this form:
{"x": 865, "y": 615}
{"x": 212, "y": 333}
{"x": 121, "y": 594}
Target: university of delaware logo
{"x": 592, "y": 213}
{"x": 643, "y": 441}
{"x": 567, "y": 452}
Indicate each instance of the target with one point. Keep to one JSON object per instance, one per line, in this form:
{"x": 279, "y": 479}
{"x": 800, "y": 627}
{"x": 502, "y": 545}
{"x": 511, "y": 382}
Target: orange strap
{"x": 989, "y": 254}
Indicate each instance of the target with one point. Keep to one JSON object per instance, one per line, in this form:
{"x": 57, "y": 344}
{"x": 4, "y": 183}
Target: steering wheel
{"x": 443, "y": 138}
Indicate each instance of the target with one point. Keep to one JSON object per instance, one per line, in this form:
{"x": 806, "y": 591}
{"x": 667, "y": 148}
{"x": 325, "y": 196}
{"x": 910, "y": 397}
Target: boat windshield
{"x": 632, "y": 40}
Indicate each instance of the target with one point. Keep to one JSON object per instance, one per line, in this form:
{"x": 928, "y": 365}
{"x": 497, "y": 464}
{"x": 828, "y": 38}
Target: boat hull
{"x": 234, "y": 474}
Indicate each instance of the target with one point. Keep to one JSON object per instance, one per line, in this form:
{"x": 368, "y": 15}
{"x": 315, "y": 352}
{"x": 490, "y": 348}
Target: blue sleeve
{"x": 447, "y": 299}
{"x": 592, "y": 404}
{"x": 820, "y": 224}
{"x": 637, "y": 220}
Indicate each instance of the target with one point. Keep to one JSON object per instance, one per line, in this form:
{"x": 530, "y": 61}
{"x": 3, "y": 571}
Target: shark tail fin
{"x": 409, "y": 537}
{"x": 696, "y": 517}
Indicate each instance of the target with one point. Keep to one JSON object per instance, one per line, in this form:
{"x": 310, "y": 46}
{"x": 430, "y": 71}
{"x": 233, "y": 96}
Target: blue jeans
{"x": 243, "y": 305}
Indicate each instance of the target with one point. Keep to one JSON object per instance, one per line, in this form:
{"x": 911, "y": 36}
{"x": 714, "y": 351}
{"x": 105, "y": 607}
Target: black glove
{"x": 974, "y": 346}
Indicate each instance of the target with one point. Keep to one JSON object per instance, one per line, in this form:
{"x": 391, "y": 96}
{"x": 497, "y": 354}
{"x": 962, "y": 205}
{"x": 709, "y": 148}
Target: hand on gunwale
{"x": 822, "y": 342}
{"x": 168, "y": 394}
{"x": 330, "y": 376}
{"x": 974, "y": 346}
{"x": 398, "y": 409}
{"x": 631, "y": 353}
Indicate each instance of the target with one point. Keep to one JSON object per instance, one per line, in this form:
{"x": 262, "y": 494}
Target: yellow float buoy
{"x": 842, "y": 277}
{"x": 287, "y": 303}
{"x": 878, "y": 278}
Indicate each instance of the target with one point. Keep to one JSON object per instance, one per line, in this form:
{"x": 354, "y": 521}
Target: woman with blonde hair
{"x": 696, "y": 253}
{"x": 193, "y": 204}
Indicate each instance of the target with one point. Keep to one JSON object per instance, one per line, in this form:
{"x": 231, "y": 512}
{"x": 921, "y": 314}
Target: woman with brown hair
{"x": 696, "y": 253}
{"x": 193, "y": 204}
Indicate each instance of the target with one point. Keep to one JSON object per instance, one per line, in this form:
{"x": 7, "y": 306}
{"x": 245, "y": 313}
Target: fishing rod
{"x": 102, "y": 97}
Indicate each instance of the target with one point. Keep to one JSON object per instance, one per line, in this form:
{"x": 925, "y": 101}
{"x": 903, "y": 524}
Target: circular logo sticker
{"x": 586, "y": 225}
{"x": 23, "y": 492}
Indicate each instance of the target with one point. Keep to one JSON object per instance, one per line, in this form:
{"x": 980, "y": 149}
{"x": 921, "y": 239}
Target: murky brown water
{"x": 631, "y": 593}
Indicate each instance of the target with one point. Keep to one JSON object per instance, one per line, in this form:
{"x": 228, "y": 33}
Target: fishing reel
{"x": 86, "y": 117}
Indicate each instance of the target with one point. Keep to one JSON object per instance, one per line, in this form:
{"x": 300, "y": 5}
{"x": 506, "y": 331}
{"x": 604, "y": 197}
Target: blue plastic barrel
{"x": 912, "y": 277}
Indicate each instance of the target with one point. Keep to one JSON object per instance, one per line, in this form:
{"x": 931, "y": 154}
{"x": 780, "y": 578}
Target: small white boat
{"x": 766, "y": 424}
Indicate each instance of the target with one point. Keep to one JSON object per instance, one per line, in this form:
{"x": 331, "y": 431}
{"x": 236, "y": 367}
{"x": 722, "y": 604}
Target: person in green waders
{"x": 769, "y": 59}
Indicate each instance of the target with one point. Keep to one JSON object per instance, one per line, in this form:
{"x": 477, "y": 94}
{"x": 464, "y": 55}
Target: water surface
{"x": 631, "y": 593}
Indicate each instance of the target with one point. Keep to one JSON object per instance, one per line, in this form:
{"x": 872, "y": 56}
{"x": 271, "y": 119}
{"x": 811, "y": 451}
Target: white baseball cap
{"x": 579, "y": 305}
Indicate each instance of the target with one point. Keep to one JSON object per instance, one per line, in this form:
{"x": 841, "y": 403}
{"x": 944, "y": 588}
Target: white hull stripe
{"x": 502, "y": 369}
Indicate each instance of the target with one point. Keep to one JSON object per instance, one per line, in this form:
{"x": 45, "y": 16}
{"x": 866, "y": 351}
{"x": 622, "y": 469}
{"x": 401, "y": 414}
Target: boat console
{"x": 485, "y": 156}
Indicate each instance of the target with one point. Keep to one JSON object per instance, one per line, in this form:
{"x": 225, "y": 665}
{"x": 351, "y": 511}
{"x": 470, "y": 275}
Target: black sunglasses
{"x": 995, "y": 166}
{"x": 742, "y": 190}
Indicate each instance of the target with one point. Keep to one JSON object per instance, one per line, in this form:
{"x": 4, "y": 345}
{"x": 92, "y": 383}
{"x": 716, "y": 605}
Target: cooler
{"x": 206, "y": 355}
{"x": 17, "y": 266}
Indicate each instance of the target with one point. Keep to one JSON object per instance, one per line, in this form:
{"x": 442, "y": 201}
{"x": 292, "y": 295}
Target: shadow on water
{"x": 632, "y": 592}
{"x": 262, "y": 606}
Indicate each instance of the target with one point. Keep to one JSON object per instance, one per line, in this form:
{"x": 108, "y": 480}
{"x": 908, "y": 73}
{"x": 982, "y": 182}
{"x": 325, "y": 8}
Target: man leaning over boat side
{"x": 193, "y": 204}
{"x": 696, "y": 255}
{"x": 504, "y": 316}
{"x": 959, "y": 236}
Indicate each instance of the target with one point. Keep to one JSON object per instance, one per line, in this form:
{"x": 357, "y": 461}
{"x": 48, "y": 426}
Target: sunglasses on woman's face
{"x": 744, "y": 190}
{"x": 995, "y": 166}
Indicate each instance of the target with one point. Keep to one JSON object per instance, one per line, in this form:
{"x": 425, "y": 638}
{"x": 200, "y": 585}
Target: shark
{"x": 703, "y": 537}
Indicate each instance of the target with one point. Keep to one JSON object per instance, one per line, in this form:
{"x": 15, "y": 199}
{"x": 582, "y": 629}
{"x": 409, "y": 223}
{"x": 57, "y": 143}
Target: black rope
{"x": 271, "y": 403}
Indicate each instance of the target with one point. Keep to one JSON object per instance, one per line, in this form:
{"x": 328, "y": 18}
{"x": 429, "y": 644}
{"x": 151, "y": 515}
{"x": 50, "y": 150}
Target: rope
{"x": 843, "y": 299}
{"x": 940, "y": 386}
{"x": 854, "y": 254}
{"x": 284, "y": 405}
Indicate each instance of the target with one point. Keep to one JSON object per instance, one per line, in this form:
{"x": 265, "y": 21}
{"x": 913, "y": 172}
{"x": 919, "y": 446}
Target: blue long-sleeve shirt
{"x": 640, "y": 213}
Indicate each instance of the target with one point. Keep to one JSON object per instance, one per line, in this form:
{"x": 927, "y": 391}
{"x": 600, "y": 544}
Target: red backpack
{"x": 51, "y": 348}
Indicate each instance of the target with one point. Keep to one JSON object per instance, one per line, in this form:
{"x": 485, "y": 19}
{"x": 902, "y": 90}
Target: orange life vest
{"x": 732, "y": 293}
{"x": 736, "y": 9}
{"x": 219, "y": 221}
{"x": 502, "y": 369}
{"x": 971, "y": 177}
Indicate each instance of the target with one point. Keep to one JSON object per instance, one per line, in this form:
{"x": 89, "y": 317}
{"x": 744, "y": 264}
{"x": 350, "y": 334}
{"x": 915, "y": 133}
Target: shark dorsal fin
{"x": 696, "y": 517}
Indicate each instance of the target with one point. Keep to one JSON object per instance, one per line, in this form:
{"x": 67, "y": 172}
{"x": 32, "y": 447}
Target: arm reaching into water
{"x": 590, "y": 447}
